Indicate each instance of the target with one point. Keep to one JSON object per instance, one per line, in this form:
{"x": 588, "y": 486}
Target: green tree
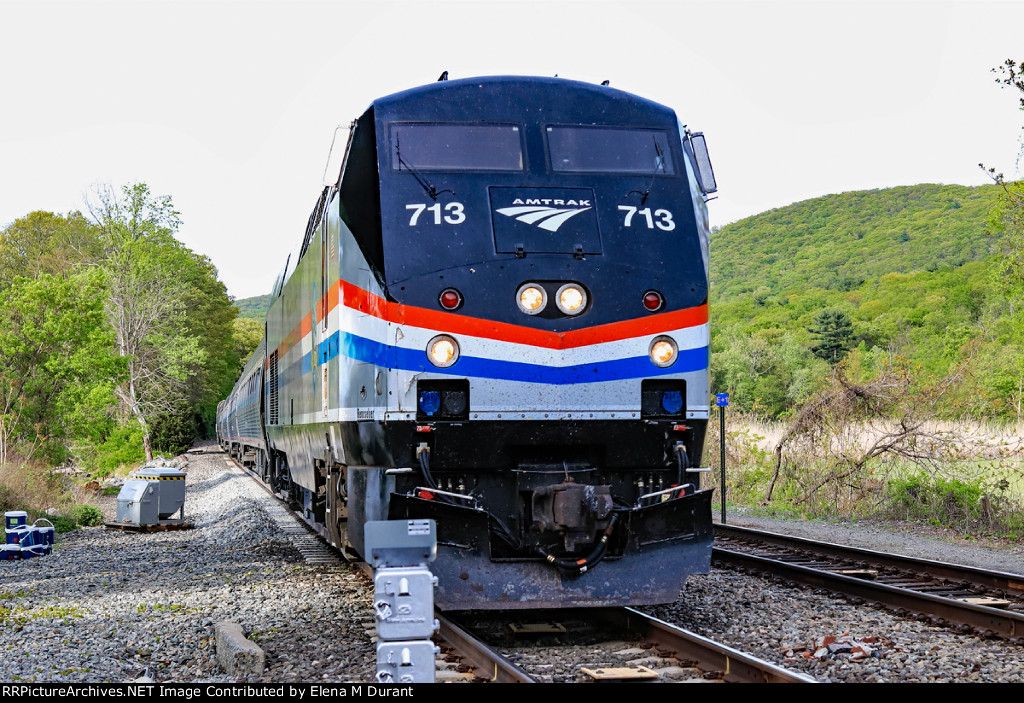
{"x": 1008, "y": 219}
{"x": 147, "y": 299}
{"x": 167, "y": 319}
{"x": 768, "y": 372}
{"x": 57, "y": 367}
{"x": 1007, "y": 224}
{"x": 42, "y": 242}
{"x": 247, "y": 334}
{"x": 210, "y": 318}
{"x": 834, "y": 332}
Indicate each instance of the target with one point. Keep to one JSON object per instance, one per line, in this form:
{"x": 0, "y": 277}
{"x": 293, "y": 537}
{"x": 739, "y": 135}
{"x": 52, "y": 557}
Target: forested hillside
{"x": 254, "y": 308}
{"x": 862, "y": 276}
{"x": 838, "y": 242}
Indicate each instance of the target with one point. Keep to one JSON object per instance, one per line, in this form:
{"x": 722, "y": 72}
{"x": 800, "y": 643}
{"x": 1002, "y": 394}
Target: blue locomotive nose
{"x": 557, "y": 229}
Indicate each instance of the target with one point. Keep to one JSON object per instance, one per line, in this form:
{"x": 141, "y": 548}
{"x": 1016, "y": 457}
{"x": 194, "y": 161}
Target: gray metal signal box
{"x": 138, "y": 503}
{"x": 171, "y": 489}
{"x": 403, "y": 602}
{"x": 391, "y": 543}
{"x": 403, "y": 598}
{"x": 151, "y": 497}
{"x": 406, "y": 662}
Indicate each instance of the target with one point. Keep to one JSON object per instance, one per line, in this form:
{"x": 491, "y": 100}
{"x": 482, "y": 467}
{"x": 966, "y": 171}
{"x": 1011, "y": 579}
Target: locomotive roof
{"x": 498, "y": 97}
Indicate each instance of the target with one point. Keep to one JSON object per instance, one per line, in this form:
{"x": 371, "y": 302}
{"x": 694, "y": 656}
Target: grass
{"x": 20, "y": 615}
{"x": 34, "y": 487}
{"x": 31, "y": 484}
{"x": 984, "y": 442}
{"x": 972, "y": 482}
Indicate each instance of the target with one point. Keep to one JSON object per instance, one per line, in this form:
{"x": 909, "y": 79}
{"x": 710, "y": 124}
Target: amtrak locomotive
{"x": 498, "y": 319}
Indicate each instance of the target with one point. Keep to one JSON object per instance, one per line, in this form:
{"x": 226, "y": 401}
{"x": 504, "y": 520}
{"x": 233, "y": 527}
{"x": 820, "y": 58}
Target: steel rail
{"x": 736, "y": 666}
{"x": 983, "y": 578}
{"x": 491, "y": 664}
{"x": 992, "y": 621}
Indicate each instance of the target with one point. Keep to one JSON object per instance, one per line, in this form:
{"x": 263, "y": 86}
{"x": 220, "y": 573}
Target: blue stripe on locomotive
{"x": 378, "y": 354}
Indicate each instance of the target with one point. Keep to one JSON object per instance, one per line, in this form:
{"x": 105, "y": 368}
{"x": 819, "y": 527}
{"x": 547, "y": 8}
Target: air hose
{"x": 682, "y": 462}
{"x": 423, "y": 454}
{"x": 589, "y": 561}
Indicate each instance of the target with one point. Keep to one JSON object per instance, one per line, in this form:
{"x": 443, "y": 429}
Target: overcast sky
{"x": 230, "y": 107}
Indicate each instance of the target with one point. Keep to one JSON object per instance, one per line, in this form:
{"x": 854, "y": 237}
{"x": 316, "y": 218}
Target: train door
{"x": 321, "y": 325}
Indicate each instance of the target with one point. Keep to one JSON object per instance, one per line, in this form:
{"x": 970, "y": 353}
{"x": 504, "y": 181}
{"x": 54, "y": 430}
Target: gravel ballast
{"x": 111, "y": 606}
{"x": 791, "y": 625}
{"x": 108, "y": 606}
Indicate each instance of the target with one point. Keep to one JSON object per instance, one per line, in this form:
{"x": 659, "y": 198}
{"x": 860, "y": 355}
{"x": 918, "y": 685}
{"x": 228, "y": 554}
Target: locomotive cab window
{"x": 609, "y": 150}
{"x": 456, "y": 147}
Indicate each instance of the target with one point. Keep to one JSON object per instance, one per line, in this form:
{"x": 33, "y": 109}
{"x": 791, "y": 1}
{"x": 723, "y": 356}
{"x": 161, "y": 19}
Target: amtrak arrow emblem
{"x": 547, "y": 218}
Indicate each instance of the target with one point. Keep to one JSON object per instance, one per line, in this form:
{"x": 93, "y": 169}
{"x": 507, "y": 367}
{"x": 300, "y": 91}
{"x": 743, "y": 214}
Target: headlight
{"x": 531, "y": 298}
{"x": 443, "y": 351}
{"x": 663, "y": 351}
{"x": 571, "y": 299}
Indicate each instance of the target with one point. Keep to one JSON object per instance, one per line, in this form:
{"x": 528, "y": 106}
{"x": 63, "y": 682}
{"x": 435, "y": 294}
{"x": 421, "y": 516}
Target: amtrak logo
{"x": 530, "y": 220}
{"x": 544, "y": 216}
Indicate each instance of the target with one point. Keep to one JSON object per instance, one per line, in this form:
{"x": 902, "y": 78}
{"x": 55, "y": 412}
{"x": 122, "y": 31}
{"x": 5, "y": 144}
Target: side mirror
{"x": 704, "y": 170}
{"x": 337, "y": 156}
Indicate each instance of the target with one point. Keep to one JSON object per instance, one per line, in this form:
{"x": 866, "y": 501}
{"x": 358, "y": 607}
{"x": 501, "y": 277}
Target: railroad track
{"x": 676, "y": 648}
{"x": 988, "y": 603}
{"x": 602, "y": 644}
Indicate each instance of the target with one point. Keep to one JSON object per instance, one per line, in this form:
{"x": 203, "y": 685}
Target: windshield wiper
{"x": 659, "y": 166}
{"x": 430, "y": 190}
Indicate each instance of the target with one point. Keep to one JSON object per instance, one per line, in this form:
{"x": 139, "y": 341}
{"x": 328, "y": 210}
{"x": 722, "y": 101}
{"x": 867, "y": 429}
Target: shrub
{"x": 28, "y": 485}
{"x": 63, "y": 524}
{"x": 88, "y": 515}
{"x": 123, "y": 446}
{"x": 174, "y": 432}
{"x": 950, "y": 502}
{"x": 7, "y": 499}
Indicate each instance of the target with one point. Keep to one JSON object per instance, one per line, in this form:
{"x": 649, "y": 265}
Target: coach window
{"x": 456, "y": 147}
{"x": 609, "y": 150}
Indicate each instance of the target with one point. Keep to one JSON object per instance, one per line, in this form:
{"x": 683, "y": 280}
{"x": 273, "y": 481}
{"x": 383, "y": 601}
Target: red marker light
{"x": 450, "y": 299}
{"x": 426, "y": 495}
{"x": 653, "y": 300}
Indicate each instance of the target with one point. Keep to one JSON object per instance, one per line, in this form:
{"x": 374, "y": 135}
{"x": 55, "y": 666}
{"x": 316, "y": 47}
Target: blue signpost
{"x": 722, "y": 400}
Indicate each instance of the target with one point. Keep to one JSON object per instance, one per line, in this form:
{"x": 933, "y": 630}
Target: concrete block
{"x": 236, "y": 654}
